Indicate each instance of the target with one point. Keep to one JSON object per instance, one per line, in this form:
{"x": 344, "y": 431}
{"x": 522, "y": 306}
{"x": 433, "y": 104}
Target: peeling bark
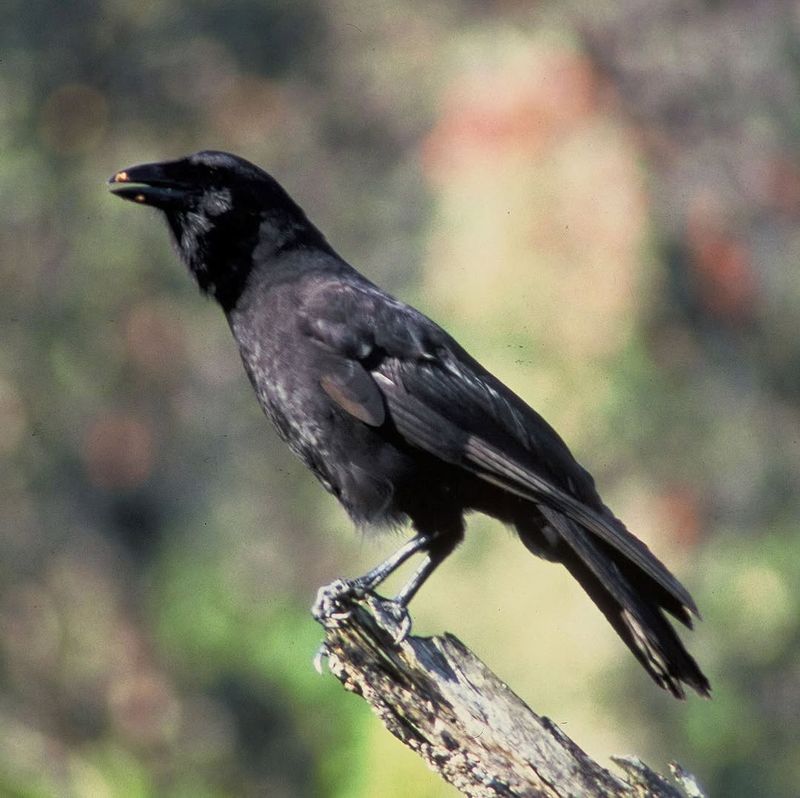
{"x": 441, "y": 701}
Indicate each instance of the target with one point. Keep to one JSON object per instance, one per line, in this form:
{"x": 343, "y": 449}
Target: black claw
{"x": 323, "y": 652}
{"x": 392, "y": 617}
{"x": 333, "y": 602}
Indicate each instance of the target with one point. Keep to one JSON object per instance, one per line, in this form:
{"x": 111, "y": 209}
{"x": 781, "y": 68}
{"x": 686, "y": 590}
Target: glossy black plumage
{"x": 390, "y": 413}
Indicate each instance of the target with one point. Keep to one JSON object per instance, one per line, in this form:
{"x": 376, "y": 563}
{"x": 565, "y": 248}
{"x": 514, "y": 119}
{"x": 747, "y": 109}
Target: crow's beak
{"x": 149, "y": 185}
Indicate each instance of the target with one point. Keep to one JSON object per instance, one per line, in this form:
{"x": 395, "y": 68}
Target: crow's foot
{"x": 392, "y": 617}
{"x": 334, "y": 604}
{"x": 334, "y": 601}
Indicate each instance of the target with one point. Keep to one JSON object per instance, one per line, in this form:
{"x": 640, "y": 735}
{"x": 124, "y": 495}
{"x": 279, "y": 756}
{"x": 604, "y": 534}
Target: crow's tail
{"x": 632, "y": 602}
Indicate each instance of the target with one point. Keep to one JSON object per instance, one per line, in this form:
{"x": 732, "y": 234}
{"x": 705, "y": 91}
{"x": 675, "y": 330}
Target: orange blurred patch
{"x": 248, "y": 111}
{"x": 118, "y": 452}
{"x": 784, "y": 185}
{"x": 538, "y": 185}
{"x": 144, "y": 707}
{"x": 722, "y": 265}
{"x": 681, "y": 507}
{"x": 154, "y": 339}
{"x": 500, "y": 109}
{"x": 73, "y": 119}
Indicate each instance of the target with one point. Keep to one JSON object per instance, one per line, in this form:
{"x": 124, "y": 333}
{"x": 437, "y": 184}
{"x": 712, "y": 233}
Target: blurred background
{"x": 600, "y": 200}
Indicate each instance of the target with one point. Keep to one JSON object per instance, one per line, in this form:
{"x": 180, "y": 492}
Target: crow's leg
{"x": 332, "y": 599}
{"x": 370, "y": 580}
{"x": 438, "y": 549}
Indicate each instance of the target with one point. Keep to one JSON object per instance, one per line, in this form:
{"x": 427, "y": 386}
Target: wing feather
{"x": 427, "y": 428}
{"x": 443, "y": 401}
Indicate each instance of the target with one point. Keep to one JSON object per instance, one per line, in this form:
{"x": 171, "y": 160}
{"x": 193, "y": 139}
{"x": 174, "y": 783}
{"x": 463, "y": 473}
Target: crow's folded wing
{"x": 443, "y": 401}
{"x": 487, "y": 434}
{"x": 352, "y": 387}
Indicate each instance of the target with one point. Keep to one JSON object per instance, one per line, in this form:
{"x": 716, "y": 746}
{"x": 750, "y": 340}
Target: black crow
{"x": 391, "y": 414}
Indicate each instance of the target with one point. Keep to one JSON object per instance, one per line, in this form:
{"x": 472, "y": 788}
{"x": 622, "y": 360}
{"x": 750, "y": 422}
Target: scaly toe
{"x": 392, "y": 617}
{"x": 333, "y": 602}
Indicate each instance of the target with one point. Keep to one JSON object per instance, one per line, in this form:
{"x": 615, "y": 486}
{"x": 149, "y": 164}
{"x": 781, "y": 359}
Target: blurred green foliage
{"x": 600, "y": 199}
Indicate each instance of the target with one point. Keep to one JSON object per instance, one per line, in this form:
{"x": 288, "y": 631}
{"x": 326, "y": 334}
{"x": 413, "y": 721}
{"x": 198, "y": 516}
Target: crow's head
{"x": 224, "y": 213}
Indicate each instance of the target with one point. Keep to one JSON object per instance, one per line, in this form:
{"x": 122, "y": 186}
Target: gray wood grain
{"x": 441, "y": 701}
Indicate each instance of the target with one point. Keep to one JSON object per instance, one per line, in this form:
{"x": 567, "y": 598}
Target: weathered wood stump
{"x": 441, "y": 701}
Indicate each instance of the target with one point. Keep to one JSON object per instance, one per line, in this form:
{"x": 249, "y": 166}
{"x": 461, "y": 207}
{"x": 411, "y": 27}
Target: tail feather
{"x": 648, "y": 635}
{"x": 631, "y": 605}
